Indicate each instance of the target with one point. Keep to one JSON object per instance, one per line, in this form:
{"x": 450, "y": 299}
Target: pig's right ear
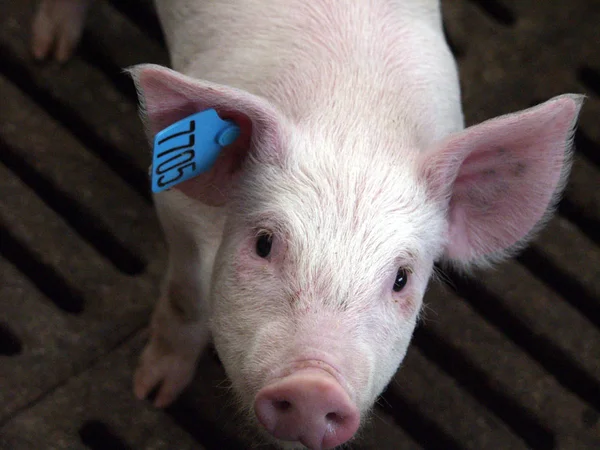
{"x": 167, "y": 96}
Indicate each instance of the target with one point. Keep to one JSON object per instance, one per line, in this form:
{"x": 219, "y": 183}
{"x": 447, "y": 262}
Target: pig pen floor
{"x": 508, "y": 360}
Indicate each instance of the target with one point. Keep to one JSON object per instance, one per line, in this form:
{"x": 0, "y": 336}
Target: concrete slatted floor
{"x": 509, "y": 359}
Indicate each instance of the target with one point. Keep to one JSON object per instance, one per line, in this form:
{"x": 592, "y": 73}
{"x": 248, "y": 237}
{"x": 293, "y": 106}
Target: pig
{"x": 306, "y": 249}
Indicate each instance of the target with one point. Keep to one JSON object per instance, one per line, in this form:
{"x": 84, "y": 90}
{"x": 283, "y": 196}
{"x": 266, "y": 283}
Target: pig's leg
{"x": 178, "y": 334}
{"x": 57, "y": 27}
{"x": 179, "y": 328}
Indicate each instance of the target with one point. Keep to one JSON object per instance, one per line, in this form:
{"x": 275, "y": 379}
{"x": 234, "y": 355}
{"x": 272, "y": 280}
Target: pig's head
{"x": 332, "y": 235}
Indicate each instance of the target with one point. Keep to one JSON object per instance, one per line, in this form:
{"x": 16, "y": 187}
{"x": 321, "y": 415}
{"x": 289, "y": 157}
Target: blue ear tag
{"x": 189, "y": 147}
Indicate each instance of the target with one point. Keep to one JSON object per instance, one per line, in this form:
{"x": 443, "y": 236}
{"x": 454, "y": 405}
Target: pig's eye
{"x": 401, "y": 279}
{"x": 263, "y": 244}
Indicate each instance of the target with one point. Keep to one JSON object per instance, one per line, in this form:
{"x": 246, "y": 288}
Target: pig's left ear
{"x": 499, "y": 178}
{"x": 167, "y": 96}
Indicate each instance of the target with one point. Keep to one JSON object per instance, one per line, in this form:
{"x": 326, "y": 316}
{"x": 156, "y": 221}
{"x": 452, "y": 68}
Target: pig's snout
{"x": 309, "y": 406}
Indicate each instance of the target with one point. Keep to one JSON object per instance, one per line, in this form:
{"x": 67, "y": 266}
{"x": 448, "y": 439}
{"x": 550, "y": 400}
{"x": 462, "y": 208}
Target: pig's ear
{"x": 500, "y": 178}
{"x": 167, "y": 96}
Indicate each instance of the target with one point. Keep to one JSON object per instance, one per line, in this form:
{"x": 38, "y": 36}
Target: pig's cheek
{"x": 246, "y": 267}
{"x": 407, "y": 305}
{"x": 254, "y": 275}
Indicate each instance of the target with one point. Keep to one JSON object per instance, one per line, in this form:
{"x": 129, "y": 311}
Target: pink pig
{"x": 306, "y": 250}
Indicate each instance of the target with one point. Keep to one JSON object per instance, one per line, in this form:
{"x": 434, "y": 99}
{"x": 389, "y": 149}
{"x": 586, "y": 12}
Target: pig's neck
{"x": 333, "y": 62}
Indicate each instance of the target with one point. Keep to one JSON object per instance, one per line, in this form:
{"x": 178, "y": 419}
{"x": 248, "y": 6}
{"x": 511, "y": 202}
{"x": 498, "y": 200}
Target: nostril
{"x": 340, "y": 426}
{"x": 334, "y": 418}
{"x": 282, "y": 405}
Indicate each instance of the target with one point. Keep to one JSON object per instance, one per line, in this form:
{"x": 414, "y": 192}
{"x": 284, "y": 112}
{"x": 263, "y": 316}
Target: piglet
{"x": 306, "y": 249}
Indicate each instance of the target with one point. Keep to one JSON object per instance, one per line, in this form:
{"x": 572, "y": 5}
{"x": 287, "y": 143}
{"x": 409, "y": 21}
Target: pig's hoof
{"x": 172, "y": 371}
{"x": 57, "y": 27}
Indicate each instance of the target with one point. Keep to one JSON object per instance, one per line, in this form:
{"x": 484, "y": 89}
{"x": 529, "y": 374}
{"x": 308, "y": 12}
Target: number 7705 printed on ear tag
{"x": 189, "y": 147}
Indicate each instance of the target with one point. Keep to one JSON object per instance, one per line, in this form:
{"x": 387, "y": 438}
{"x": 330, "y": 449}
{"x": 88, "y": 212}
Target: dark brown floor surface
{"x": 509, "y": 360}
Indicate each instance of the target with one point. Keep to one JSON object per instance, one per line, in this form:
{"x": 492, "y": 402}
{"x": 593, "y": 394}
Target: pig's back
{"x": 306, "y": 56}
